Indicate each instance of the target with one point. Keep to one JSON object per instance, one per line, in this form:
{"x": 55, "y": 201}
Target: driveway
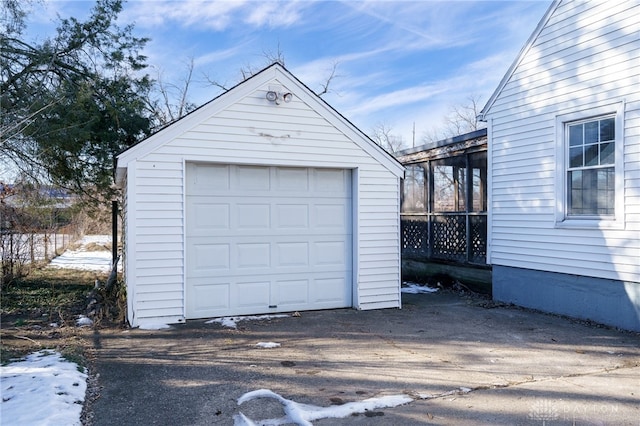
{"x": 449, "y": 358}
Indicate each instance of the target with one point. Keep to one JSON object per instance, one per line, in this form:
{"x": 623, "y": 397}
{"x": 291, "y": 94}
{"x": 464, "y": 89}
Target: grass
{"x": 45, "y": 292}
{"x": 32, "y": 303}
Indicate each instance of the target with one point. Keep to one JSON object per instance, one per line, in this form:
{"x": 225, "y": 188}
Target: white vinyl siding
{"x": 586, "y": 57}
{"x": 247, "y": 130}
{"x": 157, "y": 250}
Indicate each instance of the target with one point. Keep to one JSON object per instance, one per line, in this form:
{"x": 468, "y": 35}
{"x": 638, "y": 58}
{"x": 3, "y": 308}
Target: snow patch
{"x": 268, "y": 345}
{"x": 232, "y": 322}
{"x": 84, "y": 321}
{"x": 99, "y": 261}
{"x": 43, "y": 389}
{"x": 304, "y": 414}
{"x": 154, "y": 326}
{"x": 413, "y": 288}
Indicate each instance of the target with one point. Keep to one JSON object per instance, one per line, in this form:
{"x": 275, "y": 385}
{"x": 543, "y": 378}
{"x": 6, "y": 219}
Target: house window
{"x": 589, "y": 167}
{"x": 591, "y": 170}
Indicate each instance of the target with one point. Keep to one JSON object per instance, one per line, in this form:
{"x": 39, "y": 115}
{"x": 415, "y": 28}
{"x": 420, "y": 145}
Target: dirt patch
{"x": 71, "y": 342}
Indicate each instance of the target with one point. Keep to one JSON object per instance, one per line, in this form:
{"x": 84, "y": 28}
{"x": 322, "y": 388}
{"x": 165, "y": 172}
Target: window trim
{"x": 562, "y": 219}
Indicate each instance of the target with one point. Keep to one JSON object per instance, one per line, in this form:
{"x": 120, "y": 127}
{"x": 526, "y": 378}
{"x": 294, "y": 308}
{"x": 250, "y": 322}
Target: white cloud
{"x": 215, "y": 15}
{"x": 217, "y": 56}
{"x": 423, "y": 25}
{"x": 273, "y": 14}
{"x": 316, "y": 72}
{"x": 398, "y": 98}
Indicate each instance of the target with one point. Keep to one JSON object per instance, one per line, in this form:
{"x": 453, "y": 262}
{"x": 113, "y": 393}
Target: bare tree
{"x": 324, "y": 89}
{"x": 271, "y": 57}
{"x": 246, "y": 71}
{"x": 172, "y": 101}
{"x": 462, "y": 118}
{"x": 381, "y": 133}
{"x": 29, "y": 222}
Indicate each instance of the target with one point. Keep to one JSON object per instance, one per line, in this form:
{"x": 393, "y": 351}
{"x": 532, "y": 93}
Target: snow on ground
{"x": 85, "y": 260}
{"x": 304, "y": 414}
{"x": 154, "y": 326}
{"x": 268, "y": 345}
{"x": 232, "y": 322}
{"x": 43, "y": 389}
{"x": 28, "y": 247}
{"x": 413, "y": 288}
{"x": 83, "y": 321}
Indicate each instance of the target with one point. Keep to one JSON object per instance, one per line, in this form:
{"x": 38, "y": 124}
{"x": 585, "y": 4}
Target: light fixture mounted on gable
{"x": 277, "y": 96}
{"x": 272, "y": 96}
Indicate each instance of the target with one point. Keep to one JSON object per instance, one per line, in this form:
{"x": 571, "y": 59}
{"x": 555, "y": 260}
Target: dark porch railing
{"x": 457, "y": 237}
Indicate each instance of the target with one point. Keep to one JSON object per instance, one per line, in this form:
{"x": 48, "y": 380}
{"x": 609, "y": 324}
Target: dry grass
{"x": 97, "y": 247}
{"x": 39, "y": 311}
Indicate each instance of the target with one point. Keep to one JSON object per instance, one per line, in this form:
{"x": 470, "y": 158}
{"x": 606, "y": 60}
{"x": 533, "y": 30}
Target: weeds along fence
{"x": 19, "y": 251}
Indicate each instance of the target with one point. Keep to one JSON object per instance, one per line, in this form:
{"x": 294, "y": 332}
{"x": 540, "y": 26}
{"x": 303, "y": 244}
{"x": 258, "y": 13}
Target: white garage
{"x": 256, "y": 203}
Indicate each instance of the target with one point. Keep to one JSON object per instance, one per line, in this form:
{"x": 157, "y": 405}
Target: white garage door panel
{"x": 267, "y": 239}
{"x": 239, "y": 218}
{"x": 210, "y": 258}
{"x": 207, "y": 296}
{"x": 251, "y": 294}
{"x": 292, "y": 216}
{"x": 265, "y": 256}
{"x": 252, "y": 217}
{"x": 292, "y": 254}
{"x": 329, "y": 290}
{"x": 291, "y": 293}
{"x": 242, "y": 295}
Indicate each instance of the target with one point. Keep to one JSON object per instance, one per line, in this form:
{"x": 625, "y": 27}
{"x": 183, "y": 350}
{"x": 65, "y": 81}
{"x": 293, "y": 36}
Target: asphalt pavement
{"x": 457, "y": 360}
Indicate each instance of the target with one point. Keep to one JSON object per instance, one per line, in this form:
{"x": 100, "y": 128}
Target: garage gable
{"x": 274, "y": 78}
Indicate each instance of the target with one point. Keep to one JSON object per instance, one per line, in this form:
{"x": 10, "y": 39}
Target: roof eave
{"x": 543, "y": 22}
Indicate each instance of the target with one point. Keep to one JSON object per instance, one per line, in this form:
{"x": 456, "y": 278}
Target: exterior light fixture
{"x": 272, "y": 96}
{"x": 277, "y": 95}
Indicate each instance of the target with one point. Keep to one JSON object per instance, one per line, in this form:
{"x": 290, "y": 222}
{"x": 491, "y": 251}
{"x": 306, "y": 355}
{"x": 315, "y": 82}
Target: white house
{"x": 263, "y": 200}
{"x": 564, "y": 166}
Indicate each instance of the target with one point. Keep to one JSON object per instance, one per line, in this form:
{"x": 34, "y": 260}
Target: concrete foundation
{"x": 610, "y": 302}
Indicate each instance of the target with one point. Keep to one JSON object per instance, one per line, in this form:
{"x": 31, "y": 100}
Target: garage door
{"x": 267, "y": 239}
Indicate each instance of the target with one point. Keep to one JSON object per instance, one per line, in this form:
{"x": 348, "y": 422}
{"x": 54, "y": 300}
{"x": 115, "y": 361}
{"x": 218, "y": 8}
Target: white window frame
{"x": 562, "y": 219}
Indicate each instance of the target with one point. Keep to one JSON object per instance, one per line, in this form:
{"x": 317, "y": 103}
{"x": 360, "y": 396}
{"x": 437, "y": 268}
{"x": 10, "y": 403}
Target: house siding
{"x": 588, "y": 54}
{"x": 585, "y": 57}
{"x": 252, "y": 132}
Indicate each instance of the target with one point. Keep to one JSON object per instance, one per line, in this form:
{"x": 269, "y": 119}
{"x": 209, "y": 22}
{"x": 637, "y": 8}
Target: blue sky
{"x": 398, "y": 62}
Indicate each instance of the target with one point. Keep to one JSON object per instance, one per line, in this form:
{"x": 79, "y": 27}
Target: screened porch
{"x": 444, "y": 200}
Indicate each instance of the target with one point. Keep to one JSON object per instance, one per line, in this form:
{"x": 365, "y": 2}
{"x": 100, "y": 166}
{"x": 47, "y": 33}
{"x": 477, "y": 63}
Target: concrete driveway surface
{"x": 458, "y": 360}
